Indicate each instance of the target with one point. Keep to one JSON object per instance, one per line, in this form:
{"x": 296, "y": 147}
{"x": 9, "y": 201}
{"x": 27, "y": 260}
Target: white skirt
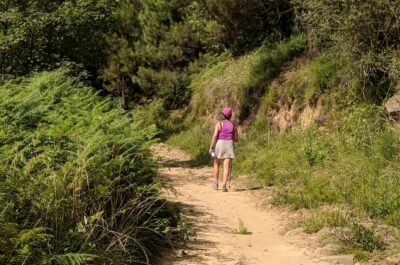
{"x": 224, "y": 149}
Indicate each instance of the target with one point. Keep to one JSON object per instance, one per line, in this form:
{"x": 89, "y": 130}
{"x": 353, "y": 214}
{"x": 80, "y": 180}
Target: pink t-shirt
{"x": 227, "y": 132}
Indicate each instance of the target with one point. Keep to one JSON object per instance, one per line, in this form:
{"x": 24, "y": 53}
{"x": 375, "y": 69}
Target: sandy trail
{"x": 214, "y": 215}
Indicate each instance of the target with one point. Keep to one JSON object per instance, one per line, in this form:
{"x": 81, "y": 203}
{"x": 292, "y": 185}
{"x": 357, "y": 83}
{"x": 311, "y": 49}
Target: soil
{"x": 214, "y": 217}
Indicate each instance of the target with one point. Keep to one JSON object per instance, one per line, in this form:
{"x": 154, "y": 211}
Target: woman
{"x": 225, "y": 134}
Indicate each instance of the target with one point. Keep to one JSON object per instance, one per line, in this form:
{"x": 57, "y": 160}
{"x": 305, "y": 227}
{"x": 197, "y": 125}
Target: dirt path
{"x": 214, "y": 215}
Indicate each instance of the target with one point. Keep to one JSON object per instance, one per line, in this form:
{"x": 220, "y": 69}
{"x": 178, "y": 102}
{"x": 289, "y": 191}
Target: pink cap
{"x": 227, "y": 111}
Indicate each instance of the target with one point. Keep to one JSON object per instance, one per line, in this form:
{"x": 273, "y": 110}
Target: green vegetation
{"x": 362, "y": 242}
{"x": 321, "y": 219}
{"x": 234, "y": 82}
{"x": 352, "y": 163}
{"x": 242, "y": 229}
{"x": 367, "y": 32}
{"x": 307, "y": 80}
{"x": 240, "y": 82}
{"x": 40, "y": 35}
{"x": 314, "y": 126}
{"x": 76, "y": 177}
{"x": 195, "y": 141}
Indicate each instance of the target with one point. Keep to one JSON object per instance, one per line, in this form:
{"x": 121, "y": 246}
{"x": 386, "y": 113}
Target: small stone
{"x": 327, "y": 250}
{"x": 324, "y": 232}
{"x": 265, "y": 249}
{"x": 295, "y": 232}
{"x": 340, "y": 259}
{"x": 180, "y": 253}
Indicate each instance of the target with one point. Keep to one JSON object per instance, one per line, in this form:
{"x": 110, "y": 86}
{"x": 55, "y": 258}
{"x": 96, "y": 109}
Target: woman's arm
{"x": 215, "y": 136}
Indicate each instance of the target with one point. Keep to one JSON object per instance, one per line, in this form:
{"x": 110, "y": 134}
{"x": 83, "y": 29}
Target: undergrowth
{"x": 239, "y": 82}
{"x": 352, "y": 163}
{"x": 76, "y": 178}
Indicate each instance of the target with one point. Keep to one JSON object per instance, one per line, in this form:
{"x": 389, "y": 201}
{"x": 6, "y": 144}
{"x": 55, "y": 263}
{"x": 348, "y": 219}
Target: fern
{"x": 67, "y": 154}
{"x": 73, "y": 259}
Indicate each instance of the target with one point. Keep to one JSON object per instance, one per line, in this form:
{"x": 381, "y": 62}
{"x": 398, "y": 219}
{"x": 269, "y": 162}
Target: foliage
{"x": 365, "y": 239}
{"x": 321, "y": 219}
{"x": 154, "y": 54}
{"x": 304, "y": 82}
{"x": 76, "y": 177}
{"x": 240, "y": 82}
{"x": 166, "y": 42}
{"x": 362, "y": 242}
{"x": 245, "y": 24}
{"x": 352, "y": 163}
{"x": 368, "y": 31}
{"x": 242, "y": 230}
{"x": 37, "y": 35}
{"x": 155, "y": 113}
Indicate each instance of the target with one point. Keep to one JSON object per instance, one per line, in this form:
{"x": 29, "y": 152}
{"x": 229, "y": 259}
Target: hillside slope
{"x": 306, "y": 134}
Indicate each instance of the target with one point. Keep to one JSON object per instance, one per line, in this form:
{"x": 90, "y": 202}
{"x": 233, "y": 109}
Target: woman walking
{"x": 225, "y": 134}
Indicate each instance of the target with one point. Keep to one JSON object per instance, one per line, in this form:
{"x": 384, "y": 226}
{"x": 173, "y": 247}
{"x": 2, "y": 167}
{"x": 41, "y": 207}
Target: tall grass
{"x": 239, "y": 82}
{"x": 76, "y": 178}
{"x": 353, "y": 163}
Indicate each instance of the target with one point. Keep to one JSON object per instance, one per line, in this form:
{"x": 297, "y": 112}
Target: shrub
{"x": 365, "y": 239}
{"x": 39, "y": 34}
{"x": 367, "y": 31}
{"x": 76, "y": 177}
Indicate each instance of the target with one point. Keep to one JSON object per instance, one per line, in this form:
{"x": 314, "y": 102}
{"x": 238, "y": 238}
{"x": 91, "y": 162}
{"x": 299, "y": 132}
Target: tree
{"x": 38, "y": 35}
{"x": 367, "y": 31}
{"x": 245, "y": 24}
{"x": 157, "y": 47}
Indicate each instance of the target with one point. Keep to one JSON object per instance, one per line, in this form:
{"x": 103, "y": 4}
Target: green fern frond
{"x": 73, "y": 259}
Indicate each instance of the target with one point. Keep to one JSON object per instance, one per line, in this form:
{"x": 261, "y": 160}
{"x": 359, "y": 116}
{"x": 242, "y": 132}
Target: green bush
{"x": 364, "y": 30}
{"x": 76, "y": 177}
{"x": 364, "y": 238}
{"x": 155, "y": 113}
{"x": 39, "y": 35}
{"x": 245, "y": 24}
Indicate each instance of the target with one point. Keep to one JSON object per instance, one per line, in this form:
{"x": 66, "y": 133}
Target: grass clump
{"x": 321, "y": 219}
{"x": 76, "y": 178}
{"x": 242, "y": 229}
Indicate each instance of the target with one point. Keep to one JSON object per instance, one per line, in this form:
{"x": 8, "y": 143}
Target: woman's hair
{"x": 228, "y": 117}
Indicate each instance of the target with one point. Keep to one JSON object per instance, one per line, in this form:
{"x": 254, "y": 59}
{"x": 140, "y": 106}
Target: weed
{"x": 365, "y": 239}
{"x": 242, "y": 230}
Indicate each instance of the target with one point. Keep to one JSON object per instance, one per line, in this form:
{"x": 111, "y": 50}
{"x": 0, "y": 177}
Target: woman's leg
{"x": 216, "y": 170}
{"x": 227, "y": 163}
